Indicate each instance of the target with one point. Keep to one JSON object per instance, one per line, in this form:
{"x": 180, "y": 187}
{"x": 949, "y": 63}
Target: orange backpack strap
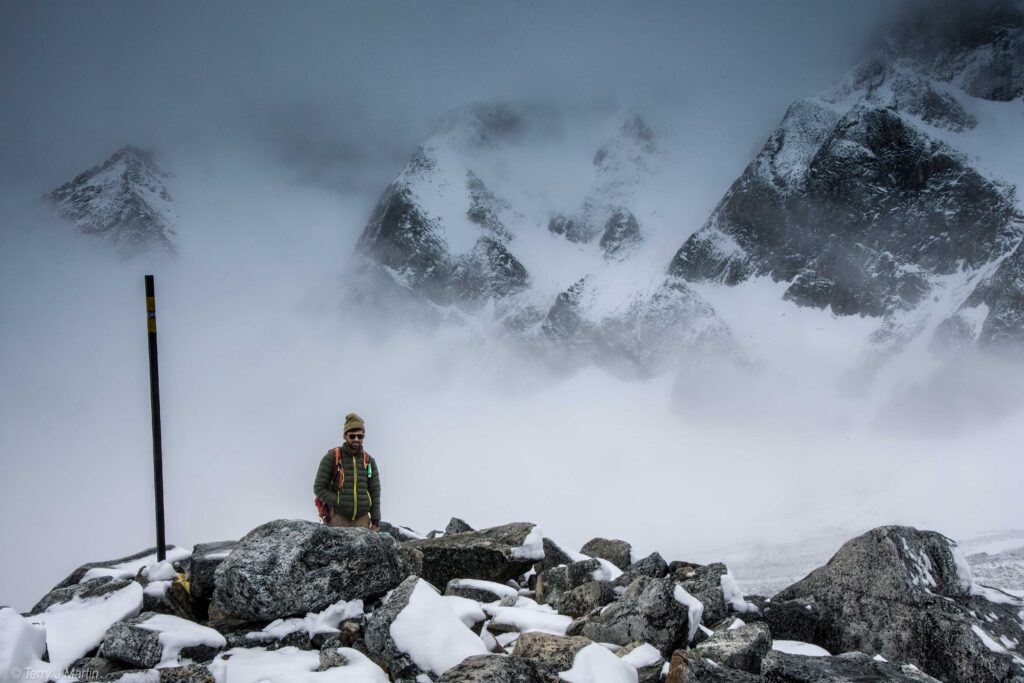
{"x": 339, "y": 472}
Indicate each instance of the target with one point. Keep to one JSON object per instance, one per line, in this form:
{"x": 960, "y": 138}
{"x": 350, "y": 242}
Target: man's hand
{"x": 374, "y": 526}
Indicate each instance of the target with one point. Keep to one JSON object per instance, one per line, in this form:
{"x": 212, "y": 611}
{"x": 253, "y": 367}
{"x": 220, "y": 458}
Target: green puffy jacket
{"x": 358, "y": 492}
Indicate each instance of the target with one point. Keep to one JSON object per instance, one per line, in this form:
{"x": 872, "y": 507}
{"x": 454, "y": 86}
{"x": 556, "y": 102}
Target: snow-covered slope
{"x": 123, "y": 200}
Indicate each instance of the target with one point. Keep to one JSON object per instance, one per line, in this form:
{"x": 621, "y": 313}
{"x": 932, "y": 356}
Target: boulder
{"x": 740, "y": 648}
{"x": 551, "y": 583}
{"x": 909, "y": 596}
{"x": 796, "y": 619}
{"x": 681, "y": 570}
{"x": 705, "y": 584}
{"x": 190, "y": 673}
{"x": 649, "y": 610}
{"x": 206, "y": 557}
{"x": 140, "y": 641}
{"x": 653, "y": 565}
{"x": 554, "y": 555}
{"x": 291, "y": 567}
{"x": 481, "y": 591}
{"x": 415, "y": 633}
{"x": 399, "y": 533}
{"x": 496, "y": 554}
{"x": 687, "y": 666}
{"x": 94, "y": 668}
{"x": 779, "y": 667}
{"x": 121, "y": 568}
{"x": 456, "y": 526}
{"x": 584, "y": 599}
{"x": 557, "y": 652}
{"x": 615, "y": 551}
{"x": 101, "y": 585}
{"x": 499, "y": 669}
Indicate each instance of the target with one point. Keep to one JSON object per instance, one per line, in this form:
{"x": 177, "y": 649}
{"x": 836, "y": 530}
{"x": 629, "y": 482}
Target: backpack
{"x": 322, "y": 509}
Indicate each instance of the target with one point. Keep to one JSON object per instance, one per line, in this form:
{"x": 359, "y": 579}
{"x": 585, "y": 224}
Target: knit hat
{"x": 353, "y": 421}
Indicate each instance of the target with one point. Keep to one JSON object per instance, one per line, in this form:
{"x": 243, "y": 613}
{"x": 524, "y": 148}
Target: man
{"x": 348, "y": 481}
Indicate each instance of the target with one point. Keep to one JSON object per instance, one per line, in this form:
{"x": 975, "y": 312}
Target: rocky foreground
{"x": 297, "y": 601}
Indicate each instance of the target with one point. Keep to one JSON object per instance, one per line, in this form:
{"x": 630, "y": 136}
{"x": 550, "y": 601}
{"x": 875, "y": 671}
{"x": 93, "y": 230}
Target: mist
{"x": 281, "y": 125}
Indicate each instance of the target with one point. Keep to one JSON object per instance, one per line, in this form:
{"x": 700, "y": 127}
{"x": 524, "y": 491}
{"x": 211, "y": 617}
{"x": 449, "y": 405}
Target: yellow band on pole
{"x": 150, "y": 303}
{"x": 152, "y": 325}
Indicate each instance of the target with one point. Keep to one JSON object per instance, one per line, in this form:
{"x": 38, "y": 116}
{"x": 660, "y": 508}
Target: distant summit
{"x": 123, "y": 201}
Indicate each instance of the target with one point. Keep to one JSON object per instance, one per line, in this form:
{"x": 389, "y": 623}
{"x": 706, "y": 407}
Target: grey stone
{"x": 190, "y": 673}
{"x": 291, "y": 567}
{"x": 499, "y": 669}
{"x": 615, "y": 551}
{"x": 456, "y": 526}
{"x": 557, "y": 652}
{"x": 897, "y": 592}
{"x": 582, "y": 600}
{"x": 554, "y": 555}
{"x": 101, "y": 585}
{"x": 131, "y": 644}
{"x": 94, "y": 668}
{"x": 653, "y": 565}
{"x": 740, "y": 648}
{"x": 645, "y": 674}
{"x": 488, "y": 554}
{"x": 206, "y": 557}
{"x": 796, "y": 619}
{"x": 646, "y": 611}
{"x": 478, "y": 593}
{"x": 852, "y": 667}
{"x": 551, "y": 583}
{"x": 705, "y": 584}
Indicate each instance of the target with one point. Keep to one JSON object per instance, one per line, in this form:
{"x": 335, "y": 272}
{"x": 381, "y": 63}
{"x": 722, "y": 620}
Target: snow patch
{"x": 532, "y": 547}
{"x": 796, "y": 647}
{"x": 695, "y": 609}
{"x": 433, "y": 636}
{"x": 595, "y": 664}
{"x": 326, "y": 621}
{"x": 176, "y": 633}
{"x": 292, "y": 665}
{"x": 642, "y": 656}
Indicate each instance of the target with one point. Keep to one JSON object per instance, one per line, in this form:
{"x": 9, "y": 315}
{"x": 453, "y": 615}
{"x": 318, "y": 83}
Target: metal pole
{"x": 154, "y": 395}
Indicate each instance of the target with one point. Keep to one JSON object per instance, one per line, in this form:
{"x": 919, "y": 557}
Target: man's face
{"x": 354, "y": 439}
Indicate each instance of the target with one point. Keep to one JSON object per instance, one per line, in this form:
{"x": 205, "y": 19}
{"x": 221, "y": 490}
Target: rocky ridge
{"x": 895, "y": 604}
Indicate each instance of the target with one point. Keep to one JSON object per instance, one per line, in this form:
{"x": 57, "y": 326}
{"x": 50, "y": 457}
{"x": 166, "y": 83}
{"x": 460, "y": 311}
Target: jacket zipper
{"x": 355, "y": 487}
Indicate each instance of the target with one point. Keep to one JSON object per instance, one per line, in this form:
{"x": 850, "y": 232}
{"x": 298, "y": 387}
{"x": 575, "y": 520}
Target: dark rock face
{"x": 740, "y": 648}
{"x": 206, "y": 557}
{"x": 796, "y": 619}
{"x": 101, "y": 585}
{"x": 615, "y": 551}
{"x": 646, "y": 611}
{"x": 129, "y": 643}
{"x": 554, "y": 555}
{"x": 491, "y": 554}
{"x": 780, "y": 667}
{"x": 879, "y": 206}
{"x": 1003, "y": 295}
{"x": 291, "y": 567}
{"x": 705, "y": 584}
{"x": 123, "y": 200}
{"x": 908, "y": 596}
{"x": 557, "y": 652}
{"x": 621, "y": 235}
{"x": 498, "y": 669}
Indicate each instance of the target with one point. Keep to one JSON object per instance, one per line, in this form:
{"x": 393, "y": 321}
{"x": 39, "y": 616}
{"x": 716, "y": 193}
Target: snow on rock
{"x": 595, "y": 664}
{"x": 795, "y": 647}
{"x": 292, "y": 665}
{"x": 734, "y": 596}
{"x": 532, "y": 547}
{"x": 479, "y": 590}
{"x": 75, "y": 627}
{"x": 416, "y": 632}
{"x": 468, "y": 611}
{"x": 694, "y": 607}
{"x": 644, "y": 655}
{"x": 526, "y": 619}
{"x": 176, "y": 634}
{"x": 313, "y": 623}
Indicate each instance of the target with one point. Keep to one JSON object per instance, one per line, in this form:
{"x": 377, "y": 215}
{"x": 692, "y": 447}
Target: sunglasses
{"x": 355, "y": 436}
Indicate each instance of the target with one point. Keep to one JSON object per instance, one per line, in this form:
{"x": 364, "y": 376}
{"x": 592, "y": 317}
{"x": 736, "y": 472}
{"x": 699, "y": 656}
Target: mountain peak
{"x": 123, "y": 200}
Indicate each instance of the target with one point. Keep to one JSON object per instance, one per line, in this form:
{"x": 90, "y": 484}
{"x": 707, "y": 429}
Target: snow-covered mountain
{"x": 123, "y": 200}
{"x": 891, "y": 195}
{"x": 880, "y": 196}
{"x": 458, "y": 235}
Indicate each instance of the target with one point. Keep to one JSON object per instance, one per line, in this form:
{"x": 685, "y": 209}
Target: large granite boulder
{"x": 149, "y": 639}
{"x": 417, "y": 634}
{"x": 290, "y": 567}
{"x": 650, "y": 610}
{"x": 854, "y": 667}
{"x": 653, "y": 565}
{"x": 206, "y": 557}
{"x": 687, "y": 666}
{"x": 584, "y": 599}
{"x": 496, "y": 554}
{"x": 909, "y": 596}
{"x": 615, "y": 551}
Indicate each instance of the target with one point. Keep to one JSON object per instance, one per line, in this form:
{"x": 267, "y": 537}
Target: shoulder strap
{"x": 339, "y": 473}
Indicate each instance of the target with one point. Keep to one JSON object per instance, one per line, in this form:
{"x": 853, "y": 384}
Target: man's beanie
{"x": 353, "y": 421}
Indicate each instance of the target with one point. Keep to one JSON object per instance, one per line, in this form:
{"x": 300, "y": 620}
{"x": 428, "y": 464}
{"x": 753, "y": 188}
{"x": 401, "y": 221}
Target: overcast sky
{"x": 338, "y": 86}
